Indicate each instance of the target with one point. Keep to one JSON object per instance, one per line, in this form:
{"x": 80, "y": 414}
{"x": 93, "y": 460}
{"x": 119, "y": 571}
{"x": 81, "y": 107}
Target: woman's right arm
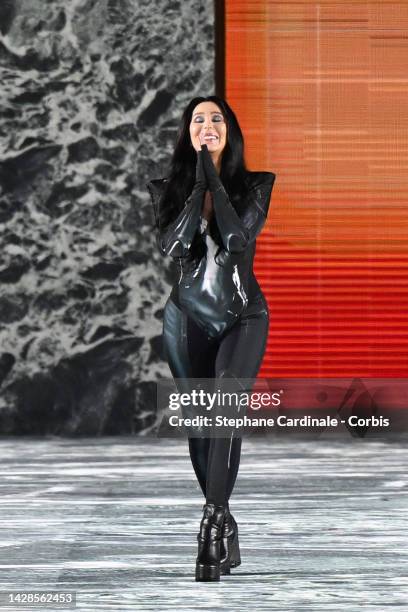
{"x": 176, "y": 239}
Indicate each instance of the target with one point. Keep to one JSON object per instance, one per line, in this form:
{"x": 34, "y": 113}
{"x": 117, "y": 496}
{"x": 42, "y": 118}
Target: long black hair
{"x": 181, "y": 174}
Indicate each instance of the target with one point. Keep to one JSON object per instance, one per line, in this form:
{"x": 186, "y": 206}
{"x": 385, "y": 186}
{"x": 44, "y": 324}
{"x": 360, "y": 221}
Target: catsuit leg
{"x": 239, "y": 356}
{"x": 190, "y": 353}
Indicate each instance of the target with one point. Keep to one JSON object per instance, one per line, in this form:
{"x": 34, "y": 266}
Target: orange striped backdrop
{"x": 321, "y": 92}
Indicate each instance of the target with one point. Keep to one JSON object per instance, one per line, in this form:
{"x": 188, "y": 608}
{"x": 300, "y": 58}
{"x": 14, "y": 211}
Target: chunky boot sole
{"x": 207, "y": 573}
{"x": 225, "y": 568}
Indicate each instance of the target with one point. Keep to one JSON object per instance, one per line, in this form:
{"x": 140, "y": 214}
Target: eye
{"x": 198, "y": 119}
{"x": 218, "y": 118}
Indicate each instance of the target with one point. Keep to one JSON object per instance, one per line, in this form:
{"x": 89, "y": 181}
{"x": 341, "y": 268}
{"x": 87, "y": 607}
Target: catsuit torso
{"x": 216, "y": 283}
{"x": 245, "y": 278}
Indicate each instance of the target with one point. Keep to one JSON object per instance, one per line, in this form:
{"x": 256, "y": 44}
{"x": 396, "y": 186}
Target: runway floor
{"x": 323, "y": 525}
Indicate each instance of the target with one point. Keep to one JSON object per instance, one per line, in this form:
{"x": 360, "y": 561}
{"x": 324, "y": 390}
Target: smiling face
{"x": 208, "y": 127}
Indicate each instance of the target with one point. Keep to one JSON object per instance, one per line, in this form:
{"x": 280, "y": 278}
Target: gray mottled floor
{"x": 323, "y": 524}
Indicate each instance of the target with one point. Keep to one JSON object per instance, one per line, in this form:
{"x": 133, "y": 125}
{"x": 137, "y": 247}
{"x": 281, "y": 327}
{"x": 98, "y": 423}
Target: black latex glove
{"x": 211, "y": 174}
{"x": 239, "y": 232}
{"x": 201, "y": 182}
{"x": 176, "y": 239}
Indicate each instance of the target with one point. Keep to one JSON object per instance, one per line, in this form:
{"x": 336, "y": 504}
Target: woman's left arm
{"x": 238, "y": 232}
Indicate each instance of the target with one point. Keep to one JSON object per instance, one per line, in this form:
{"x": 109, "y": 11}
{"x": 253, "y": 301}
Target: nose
{"x": 208, "y": 124}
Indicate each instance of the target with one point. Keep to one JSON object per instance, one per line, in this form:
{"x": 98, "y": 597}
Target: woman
{"x": 209, "y": 212}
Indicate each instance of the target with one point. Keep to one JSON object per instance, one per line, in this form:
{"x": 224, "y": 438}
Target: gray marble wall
{"x": 91, "y": 95}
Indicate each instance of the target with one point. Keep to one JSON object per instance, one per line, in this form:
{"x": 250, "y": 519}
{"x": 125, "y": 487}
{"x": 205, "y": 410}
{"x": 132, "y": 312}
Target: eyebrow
{"x": 212, "y": 112}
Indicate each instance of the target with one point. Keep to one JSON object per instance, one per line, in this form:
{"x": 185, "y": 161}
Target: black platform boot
{"x": 209, "y": 540}
{"x": 230, "y": 553}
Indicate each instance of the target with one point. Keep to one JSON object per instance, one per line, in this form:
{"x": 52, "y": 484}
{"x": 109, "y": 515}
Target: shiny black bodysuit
{"x": 238, "y": 351}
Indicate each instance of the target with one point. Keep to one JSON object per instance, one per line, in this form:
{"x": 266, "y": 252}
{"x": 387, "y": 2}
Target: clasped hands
{"x": 206, "y": 173}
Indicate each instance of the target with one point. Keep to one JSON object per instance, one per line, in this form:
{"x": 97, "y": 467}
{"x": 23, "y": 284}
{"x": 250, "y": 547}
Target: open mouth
{"x": 210, "y": 138}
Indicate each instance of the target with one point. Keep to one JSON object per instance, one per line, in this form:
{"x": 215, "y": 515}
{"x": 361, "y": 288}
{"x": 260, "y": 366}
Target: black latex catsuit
{"x": 239, "y": 350}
